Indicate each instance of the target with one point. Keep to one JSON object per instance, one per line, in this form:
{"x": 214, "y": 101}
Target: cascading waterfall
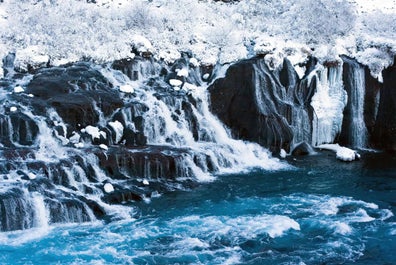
{"x": 328, "y": 103}
{"x": 172, "y": 120}
{"x": 358, "y": 130}
{"x": 157, "y": 139}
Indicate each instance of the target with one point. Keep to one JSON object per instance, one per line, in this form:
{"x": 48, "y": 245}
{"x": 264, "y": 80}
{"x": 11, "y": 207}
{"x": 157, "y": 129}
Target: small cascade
{"x": 328, "y": 103}
{"x": 41, "y": 212}
{"x": 301, "y": 124}
{"x": 355, "y": 131}
{"x": 358, "y": 127}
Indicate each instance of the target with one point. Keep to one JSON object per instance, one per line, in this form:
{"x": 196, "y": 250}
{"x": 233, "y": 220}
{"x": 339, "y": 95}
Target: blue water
{"x": 323, "y": 212}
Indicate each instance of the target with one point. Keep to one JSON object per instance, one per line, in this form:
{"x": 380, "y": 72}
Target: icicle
{"x": 328, "y": 103}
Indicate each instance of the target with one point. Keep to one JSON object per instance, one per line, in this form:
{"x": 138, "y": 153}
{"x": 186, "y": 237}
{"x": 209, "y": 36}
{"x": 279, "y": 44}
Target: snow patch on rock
{"x": 118, "y": 128}
{"x": 104, "y": 147}
{"x": 94, "y": 132}
{"x": 175, "y": 83}
{"x": 108, "y": 188}
{"x": 342, "y": 153}
{"x": 282, "y": 153}
{"x": 18, "y": 89}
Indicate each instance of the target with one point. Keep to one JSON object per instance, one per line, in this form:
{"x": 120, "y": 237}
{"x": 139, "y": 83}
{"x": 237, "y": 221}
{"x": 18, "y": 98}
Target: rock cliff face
{"x": 384, "y": 132}
{"x": 277, "y": 110}
{"x": 255, "y": 102}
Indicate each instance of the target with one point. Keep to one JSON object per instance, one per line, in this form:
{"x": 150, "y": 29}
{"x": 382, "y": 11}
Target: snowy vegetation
{"x": 54, "y": 31}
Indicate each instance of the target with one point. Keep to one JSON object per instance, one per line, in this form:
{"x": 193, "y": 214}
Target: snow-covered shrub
{"x": 376, "y": 44}
{"x": 212, "y": 31}
{"x": 320, "y": 21}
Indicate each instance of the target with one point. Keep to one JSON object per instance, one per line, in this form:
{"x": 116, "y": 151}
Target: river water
{"x": 320, "y": 212}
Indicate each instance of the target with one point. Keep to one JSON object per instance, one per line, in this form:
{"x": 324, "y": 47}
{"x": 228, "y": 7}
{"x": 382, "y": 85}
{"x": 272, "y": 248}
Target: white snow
{"x": 34, "y": 56}
{"x": 205, "y": 76}
{"x": 75, "y": 138}
{"x": 13, "y": 109}
{"x": 108, "y": 188}
{"x": 346, "y": 154}
{"x": 141, "y": 44}
{"x": 118, "y": 128}
{"x": 282, "y": 153}
{"x": 194, "y": 62}
{"x": 79, "y": 145}
{"x": 127, "y": 88}
{"x": 94, "y": 132}
{"x": 145, "y": 182}
{"x": 169, "y": 56}
{"x": 18, "y": 89}
{"x": 182, "y": 72}
{"x": 213, "y": 32}
{"x": 31, "y": 176}
{"x": 386, "y": 6}
{"x": 103, "y": 146}
{"x": 175, "y": 82}
{"x": 342, "y": 153}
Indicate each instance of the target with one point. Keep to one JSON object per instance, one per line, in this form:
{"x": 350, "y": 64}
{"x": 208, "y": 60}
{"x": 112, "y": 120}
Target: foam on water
{"x": 253, "y": 229}
{"x": 342, "y": 228}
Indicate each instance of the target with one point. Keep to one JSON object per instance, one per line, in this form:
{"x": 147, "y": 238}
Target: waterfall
{"x": 123, "y": 126}
{"x": 301, "y": 125}
{"x": 354, "y": 79}
{"x": 171, "y": 120}
{"x": 328, "y": 103}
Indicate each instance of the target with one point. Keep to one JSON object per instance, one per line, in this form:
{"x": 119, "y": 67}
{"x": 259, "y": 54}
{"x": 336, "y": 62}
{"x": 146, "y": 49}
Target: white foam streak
{"x": 41, "y": 213}
{"x": 342, "y": 228}
{"x": 246, "y": 227}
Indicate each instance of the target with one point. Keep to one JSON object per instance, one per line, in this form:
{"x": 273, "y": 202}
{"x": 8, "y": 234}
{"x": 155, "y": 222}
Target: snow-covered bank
{"x": 212, "y": 31}
{"x": 342, "y": 153}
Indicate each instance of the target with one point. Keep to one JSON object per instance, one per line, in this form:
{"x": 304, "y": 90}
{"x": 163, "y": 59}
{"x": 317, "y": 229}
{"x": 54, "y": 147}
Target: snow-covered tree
{"x": 320, "y": 21}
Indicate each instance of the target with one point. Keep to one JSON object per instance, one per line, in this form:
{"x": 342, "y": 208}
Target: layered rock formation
{"x": 275, "y": 108}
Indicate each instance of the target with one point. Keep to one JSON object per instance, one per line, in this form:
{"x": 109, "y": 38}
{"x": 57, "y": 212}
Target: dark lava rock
{"x": 385, "y": 127}
{"x": 302, "y": 149}
{"x": 17, "y": 128}
{"x": 76, "y": 92}
{"x": 252, "y": 101}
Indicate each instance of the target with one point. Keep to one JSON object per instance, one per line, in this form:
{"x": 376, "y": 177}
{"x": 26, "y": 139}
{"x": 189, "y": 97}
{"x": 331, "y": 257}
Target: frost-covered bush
{"x": 376, "y": 44}
{"x": 320, "y": 21}
{"x": 212, "y": 31}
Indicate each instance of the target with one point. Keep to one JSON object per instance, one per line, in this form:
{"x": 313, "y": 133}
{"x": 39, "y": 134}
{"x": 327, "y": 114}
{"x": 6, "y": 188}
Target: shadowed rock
{"x": 384, "y": 135}
{"x": 252, "y": 101}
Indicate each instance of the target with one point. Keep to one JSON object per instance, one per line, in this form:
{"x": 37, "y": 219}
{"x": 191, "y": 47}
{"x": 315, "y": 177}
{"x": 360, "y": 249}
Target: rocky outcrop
{"x": 273, "y": 107}
{"x": 384, "y": 133}
{"x": 257, "y": 103}
{"x": 69, "y": 131}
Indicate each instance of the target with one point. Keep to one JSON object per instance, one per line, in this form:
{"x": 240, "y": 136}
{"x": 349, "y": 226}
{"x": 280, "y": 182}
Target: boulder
{"x": 302, "y": 149}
